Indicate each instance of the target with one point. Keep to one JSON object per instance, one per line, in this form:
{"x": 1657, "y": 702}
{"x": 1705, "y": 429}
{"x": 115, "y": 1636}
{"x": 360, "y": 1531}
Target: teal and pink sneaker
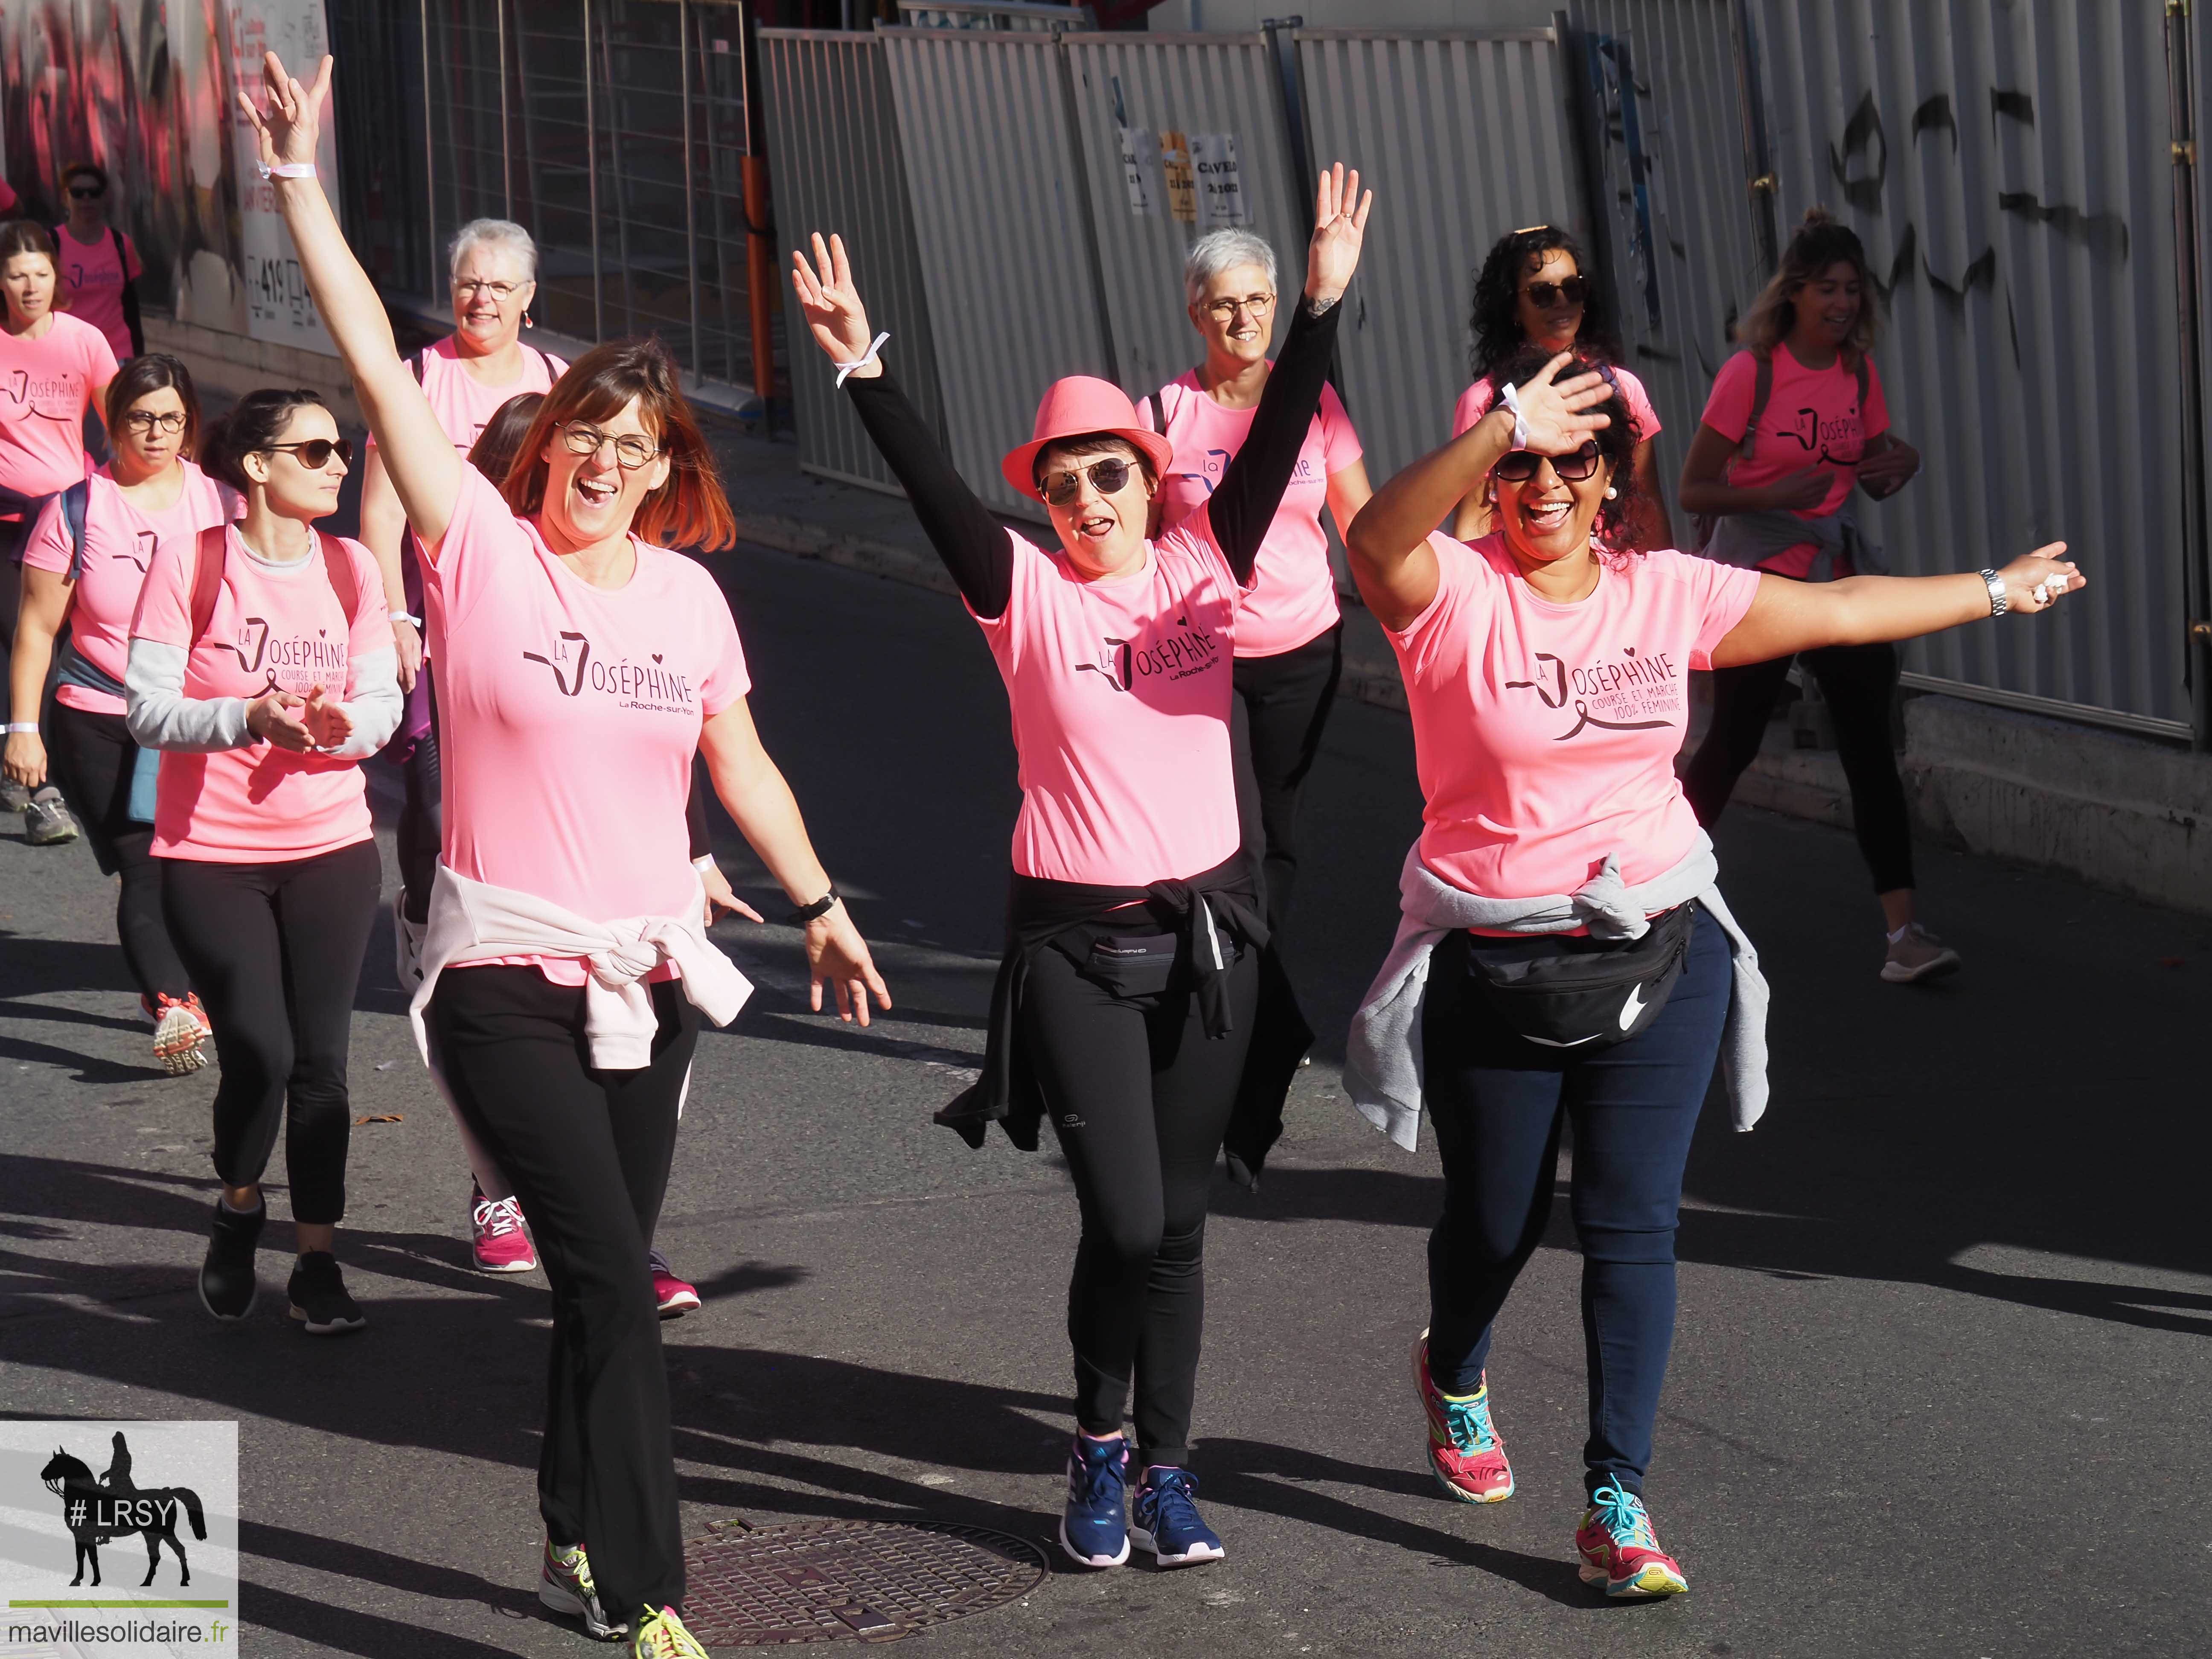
{"x": 1620, "y": 1551}
{"x": 1465, "y": 1453}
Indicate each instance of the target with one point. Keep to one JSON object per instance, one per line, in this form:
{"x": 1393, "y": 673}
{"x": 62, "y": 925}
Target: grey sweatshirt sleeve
{"x": 160, "y": 714}
{"x": 376, "y": 704}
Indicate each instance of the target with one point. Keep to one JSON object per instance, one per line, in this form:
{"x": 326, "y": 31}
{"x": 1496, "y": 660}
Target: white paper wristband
{"x": 874, "y": 346}
{"x": 286, "y": 170}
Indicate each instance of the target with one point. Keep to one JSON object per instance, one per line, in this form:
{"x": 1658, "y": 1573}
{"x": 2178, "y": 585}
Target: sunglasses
{"x": 1545, "y": 296}
{"x": 314, "y": 453}
{"x": 1108, "y": 477}
{"x": 1519, "y": 465}
{"x": 86, "y": 192}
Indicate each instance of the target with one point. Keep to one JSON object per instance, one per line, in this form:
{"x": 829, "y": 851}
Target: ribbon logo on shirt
{"x": 254, "y": 632}
{"x": 26, "y": 390}
{"x": 1187, "y": 650}
{"x": 1814, "y": 435}
{"x": 142, "y": 553}
{"x": 574, "y": 682}
{"x": 1605, "y": 694}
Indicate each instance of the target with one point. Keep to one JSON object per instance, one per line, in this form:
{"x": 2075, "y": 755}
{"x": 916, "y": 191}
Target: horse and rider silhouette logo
{"x": 98, "y": 1511}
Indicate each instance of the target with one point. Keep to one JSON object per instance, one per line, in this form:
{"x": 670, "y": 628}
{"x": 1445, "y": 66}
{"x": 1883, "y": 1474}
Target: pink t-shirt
{"x": 120, "y": 540}
{"x": 1120, "y": 691}
{"x": 464, "y": 404}
{"x": 45, "y": 385}
{"x": 274, "y": 627}
{"x": 92, "y": 280}
{"x": 1292, "y": 598}
{"x": 1545, "y": 734}
{"x": 1812, "y": 418}
{"x": 567, "y": 715}
{"x": 1475, "y": 403}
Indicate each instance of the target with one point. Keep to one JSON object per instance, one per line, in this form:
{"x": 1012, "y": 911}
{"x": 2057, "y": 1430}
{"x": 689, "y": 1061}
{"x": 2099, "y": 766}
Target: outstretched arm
{"x": 418, "y": 456}
{"x": 1243, "y": 505}
{"x": 1788, "y": 616}
{"x": 972, "y": 542}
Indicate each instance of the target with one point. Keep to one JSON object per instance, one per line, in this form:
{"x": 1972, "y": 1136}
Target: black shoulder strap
{"x": 1860, "y": 368}
{"x": 546, "y": 358}
{"x": 77, "y": 503}
{"x": 1762, "y": 388}
{"x": 1159, "y": 414}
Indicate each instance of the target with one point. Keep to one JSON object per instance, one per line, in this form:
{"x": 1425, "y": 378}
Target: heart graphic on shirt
{"x": 656, "y": 656}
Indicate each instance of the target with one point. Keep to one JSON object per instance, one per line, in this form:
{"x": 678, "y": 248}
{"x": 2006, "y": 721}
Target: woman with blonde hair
{"x": 1795, "y": 418}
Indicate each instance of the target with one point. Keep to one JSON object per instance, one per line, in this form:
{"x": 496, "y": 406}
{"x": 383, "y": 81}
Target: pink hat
{"x": 1076, "y": 408}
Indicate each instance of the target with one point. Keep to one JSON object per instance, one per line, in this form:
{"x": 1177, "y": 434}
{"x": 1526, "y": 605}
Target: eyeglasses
{"x": 1545, "y": 296}
{"x": 145, "y": 419}
{"x": 497, "y": 290}
{"x": 1108, "y": 477}
{"x": 631, "y": 452}
{"x": 314, "y": 453}
{"x": 1222, "y": 311}
{"x": 1519, "y": 465}
{"x": 87, "y": 192}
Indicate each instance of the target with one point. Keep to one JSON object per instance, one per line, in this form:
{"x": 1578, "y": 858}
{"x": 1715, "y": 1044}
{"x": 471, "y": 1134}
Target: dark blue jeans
{"x": 1498, "y": 1102}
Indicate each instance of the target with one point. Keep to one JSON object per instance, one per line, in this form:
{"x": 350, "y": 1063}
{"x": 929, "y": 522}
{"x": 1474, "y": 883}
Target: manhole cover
{"x": 844, "y": 1581}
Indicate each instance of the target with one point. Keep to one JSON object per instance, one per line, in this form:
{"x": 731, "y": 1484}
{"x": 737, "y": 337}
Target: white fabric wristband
{"x": 703, "y": 863}
{"x": 15, "y": 727}
{"x": 875, "y": 346}
{"x": 286, "y": 170}
{"x": 1510, "y": 397}
{"x": 402, "y": 615}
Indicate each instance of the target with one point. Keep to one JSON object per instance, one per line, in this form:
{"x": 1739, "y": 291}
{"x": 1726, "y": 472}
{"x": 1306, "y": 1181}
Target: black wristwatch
{"x": 807, "y": 913}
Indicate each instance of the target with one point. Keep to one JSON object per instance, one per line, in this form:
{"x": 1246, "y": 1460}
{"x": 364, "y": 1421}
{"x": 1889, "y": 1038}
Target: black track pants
{"x": 587, "y": 1151}
{"x": 274, "y": 951}
{"x": 1139, "y": 1096}
{"x": 1858, "y": 682}
{"x": 1276, "y": 721}
{"x": 91, "y": 758}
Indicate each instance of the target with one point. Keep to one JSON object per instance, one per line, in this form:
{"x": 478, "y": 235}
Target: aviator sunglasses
{"x": 1545, "y": 296}
{"x": 314, "y": 453}
{"x": 1108, "y": 477}
{"x": 1519, "y": 465}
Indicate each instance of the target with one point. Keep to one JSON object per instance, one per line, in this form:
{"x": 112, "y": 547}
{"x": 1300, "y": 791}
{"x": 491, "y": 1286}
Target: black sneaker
{"x": 318, "y": 1295}
{"x": 226, "y": 1284}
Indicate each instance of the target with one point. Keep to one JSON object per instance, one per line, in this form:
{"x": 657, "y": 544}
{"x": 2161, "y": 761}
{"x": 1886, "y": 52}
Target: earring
{"x": 1611, "y": 494}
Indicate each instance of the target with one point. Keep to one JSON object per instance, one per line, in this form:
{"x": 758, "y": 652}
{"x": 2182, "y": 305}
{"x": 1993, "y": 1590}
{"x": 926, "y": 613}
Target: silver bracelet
{"x": 1998, "y": 602}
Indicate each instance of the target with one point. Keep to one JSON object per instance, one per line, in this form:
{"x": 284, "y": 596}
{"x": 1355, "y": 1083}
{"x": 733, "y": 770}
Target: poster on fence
{"x": 1220, "y": 191}
{"x": 1175, "y": 163}
{"x": 1138, "y": 153}
{"x": 278, "y": 306}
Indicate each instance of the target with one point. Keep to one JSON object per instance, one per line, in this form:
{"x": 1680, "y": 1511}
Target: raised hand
{"x": 1555, "y": 411}
{"x": 1339, "y": 230}
{"x": 831, "y": 305}
{"x": 2034, "y": 580}
{"x": 289, "y": 133}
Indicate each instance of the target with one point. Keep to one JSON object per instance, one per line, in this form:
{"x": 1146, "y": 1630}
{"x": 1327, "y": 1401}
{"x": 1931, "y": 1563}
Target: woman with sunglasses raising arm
{"x": 83, "y": 566}
{"x": 261, "y": 663}
{"x": 581, "y": 663}
{"x": 1124, "y": 1004}
{"x": 1563, "y": 950}
{"x": 1531, "y": 293}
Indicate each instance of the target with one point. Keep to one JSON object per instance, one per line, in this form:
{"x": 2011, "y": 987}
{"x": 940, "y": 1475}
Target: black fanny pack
{"x": 1573, "y": 992}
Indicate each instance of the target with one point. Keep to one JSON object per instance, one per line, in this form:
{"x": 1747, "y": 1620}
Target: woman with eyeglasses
{"x": 1290, "y": 632}
{"x": 83, "y": 566}
{"x": 1794, "y": 419}
{"x": 1531, "y": 294}
{"x": 61, "y": 368}
{"x": 1124, "y": 1003}
{"x": 261, "y": 666}
{"x": 100, "y": 264}
{"x": 1564, "y": 952}
{"x": 581, "y": 664}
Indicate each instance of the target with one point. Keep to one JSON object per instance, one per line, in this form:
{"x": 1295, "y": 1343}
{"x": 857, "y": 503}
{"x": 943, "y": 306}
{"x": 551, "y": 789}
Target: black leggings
{"x": 1139, "y": 1096}
{"x": 1276, "y": 721}
{"x": 91, "y": 758}
{"x": 588, "y": 1153}
{"x": 275, "y": 951}
{"x": 1858, "y": 681}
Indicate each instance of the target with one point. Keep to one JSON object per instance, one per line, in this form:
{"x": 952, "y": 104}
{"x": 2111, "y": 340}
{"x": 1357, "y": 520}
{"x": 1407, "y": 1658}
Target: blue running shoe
{"x": 1095, "y": 1530}
{"x": 1167, "y": 1523}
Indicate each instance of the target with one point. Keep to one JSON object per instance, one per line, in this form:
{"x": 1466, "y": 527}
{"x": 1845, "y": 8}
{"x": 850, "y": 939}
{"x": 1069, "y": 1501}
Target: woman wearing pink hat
{"x": 1124, "y": 1005}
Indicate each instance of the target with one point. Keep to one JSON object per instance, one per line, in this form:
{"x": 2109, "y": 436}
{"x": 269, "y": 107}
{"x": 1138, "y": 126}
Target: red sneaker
{"x": 675, "y": 1297}
{"x": 1620, "y": 1551}
{"x": 499, "y": 1244}
{"x": 1465, "y": 1453}
{"x": 180, "y": 1032}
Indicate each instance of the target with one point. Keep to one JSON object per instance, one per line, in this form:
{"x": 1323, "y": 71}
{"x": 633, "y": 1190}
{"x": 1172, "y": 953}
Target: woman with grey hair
{"x": 1290, "y": 632}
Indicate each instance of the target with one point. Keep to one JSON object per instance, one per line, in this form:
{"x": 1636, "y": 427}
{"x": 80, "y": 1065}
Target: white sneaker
{"x": 1915, "y": 954}
{"x": 406, "y": 943}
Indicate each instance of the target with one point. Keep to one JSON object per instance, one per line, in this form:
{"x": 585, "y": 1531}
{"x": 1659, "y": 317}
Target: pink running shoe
{"x": 1465, "y": 1453}
{"x": 1621, "y": 1551}
{"x": 181, "y": 1032}
{"x": 675, "y": 1296}
{"x": 501, "y": 1246}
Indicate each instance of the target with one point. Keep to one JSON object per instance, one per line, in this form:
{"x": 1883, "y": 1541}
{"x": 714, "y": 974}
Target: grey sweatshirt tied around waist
{"x": 1749, "y": 539}
{"x": 1383, "y": 1059}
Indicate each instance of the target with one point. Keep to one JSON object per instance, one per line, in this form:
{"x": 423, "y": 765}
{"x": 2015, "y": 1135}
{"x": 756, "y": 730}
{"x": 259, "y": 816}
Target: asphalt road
{"x": 1946, "y": 1317}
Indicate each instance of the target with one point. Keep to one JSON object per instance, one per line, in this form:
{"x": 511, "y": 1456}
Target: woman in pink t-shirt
{"x": 99, "y": 264}
{"x": 1564, "y": 951}
{"x": 1289, "y": 633}
{"x": 1794, "y": 419}
{"x": 83, "y": 566}
{"x": 1123, "y": 1006}
{"x": 1531, "y": 294}
{"x": 581, "y": 664}
{"x": 261, "y": 666}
